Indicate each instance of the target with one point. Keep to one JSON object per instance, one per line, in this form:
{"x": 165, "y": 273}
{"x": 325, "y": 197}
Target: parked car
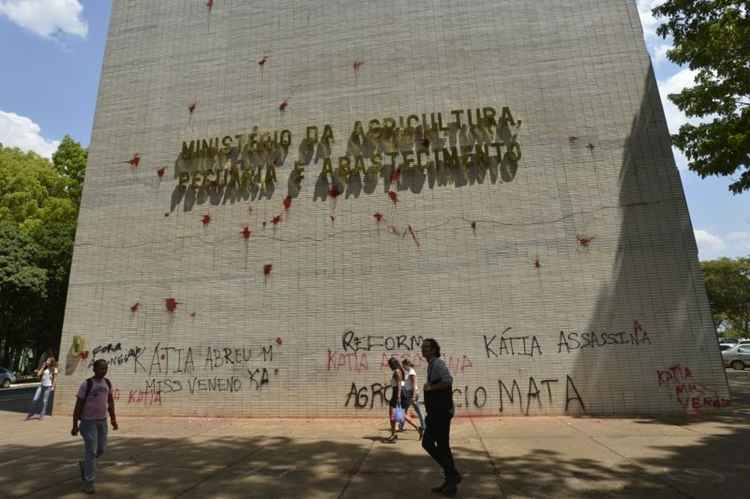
{"x": 6, "y": 377}
{"x": 726, "y": 346}
{"x": 737, "y": 357}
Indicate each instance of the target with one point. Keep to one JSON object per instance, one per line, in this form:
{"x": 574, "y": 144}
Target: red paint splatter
{"x": 206, "y": 219}
{"x": 378, "y": 216}
{"x": 163, "y": 356}
{"x": 413, "y": 235}
{"x": 134, "y": 307}
{"x": 276, "y": 220}
{"x": 396, "y": 175}
{"x": 637, "y": 328}
{"x": 193, "y": 104}
{"x": 267, "y": 268}
{"x": 537, "y": 263}
{"x": 279, "y": 341}
{"x": 210, "y": 5}
{"x": 393, "y": 196}
{"x": 161, "y": 171}
{"x": 263, "y": 60}
{"x": 246, "y": 232}
{"x": 283, "y": 105}
{"x": 287, "y": 203}
{"x": 135, "y": 160}
{"x": 84, "y": 355}
{"x": 583, "y": 240}
{"x": 171, "y": 304}
{"x": 334, "y": 191}
{"x": 356, "y": 66}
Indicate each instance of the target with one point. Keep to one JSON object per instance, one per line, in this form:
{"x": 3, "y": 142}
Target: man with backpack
{"x": 92, "y": 404}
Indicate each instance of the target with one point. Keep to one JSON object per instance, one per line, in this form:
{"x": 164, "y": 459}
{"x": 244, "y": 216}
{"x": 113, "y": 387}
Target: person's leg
{"x": 392, "y": 421}
{"x": 452, "y": 476}
{"x": 37, "y": 394}
{"x": 101, "y": 432}
{"x": 429, "y": 442}
{"x": 45, "y": 399}
{"x": 419, "y": 413}
{"x": 90, "y": 435}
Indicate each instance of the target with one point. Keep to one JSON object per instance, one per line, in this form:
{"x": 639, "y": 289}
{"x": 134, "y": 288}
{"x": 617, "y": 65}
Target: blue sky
{"x": 52, "y": 54}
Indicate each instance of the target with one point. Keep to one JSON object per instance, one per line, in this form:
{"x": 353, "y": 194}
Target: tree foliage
{"x": 39, "y": 203}
{"x": 728, "y": 287}
{"x": 713, "y": 38}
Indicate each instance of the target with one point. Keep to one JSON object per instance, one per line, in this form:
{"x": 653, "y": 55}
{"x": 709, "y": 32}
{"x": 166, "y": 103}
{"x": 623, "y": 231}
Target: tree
{"x": 70, "y": 163}
{"x": 728, "y": 287}
{"x": 38, "y": 212}
{"x": 713, "y": 38}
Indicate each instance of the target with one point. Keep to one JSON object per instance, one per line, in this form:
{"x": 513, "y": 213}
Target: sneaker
{"x": 88, "y": 488}
{"x": 439, "y": 488}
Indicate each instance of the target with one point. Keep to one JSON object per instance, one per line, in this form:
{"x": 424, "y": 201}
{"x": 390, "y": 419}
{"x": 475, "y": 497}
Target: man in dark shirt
{"x": 438, "y": 399}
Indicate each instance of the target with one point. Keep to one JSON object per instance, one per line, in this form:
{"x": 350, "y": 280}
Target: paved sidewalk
{"x": 499, "y": 457}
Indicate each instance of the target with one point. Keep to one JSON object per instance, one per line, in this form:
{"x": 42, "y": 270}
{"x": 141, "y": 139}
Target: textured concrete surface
{"x": 545, "y": 457}
{"x": 565, "y": 281}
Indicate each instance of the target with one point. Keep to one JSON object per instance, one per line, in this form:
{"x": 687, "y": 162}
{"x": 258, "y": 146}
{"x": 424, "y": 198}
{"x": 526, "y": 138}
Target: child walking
{"x": 92, "y": 404}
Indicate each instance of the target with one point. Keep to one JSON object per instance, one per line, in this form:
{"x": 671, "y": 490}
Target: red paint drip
{"x": 537, "y": 264}
{"x": 584, "y": 240}
{"x": 333, "y": 219}
{"x": 135, "y": 160}
{"x": 84, "y": 355}
{"x": 263, "y": 60}
{"x": 413, "y": 235}
{"x": 246, "y": 232}
{"x": 356, "y": 66}
{"x": 279, "y": 341}
{"x": 192, "y": 106}
{"x": 134, "y": 307}
{"x": 287, "y": 203}
{"x": 210, "y": 5}
{"x": 283, "y": 105}
{"x": 396, "y": 175}
{"x": 276, "y": 220}
{"x": 161, "y": 171}
{"x": 393, "y": 196}
{"x": 206, "y": 219}
{"x": 378, "y": 216}
{"x": 334, "y": 192}
{"x": 171, "y": 304}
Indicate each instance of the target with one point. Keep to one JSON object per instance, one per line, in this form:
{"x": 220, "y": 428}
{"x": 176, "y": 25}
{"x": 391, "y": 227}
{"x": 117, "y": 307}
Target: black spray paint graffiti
{"x": 533, "y": 393}
{"x": 572, "y": 340}
{"x": 350, "y": 342}
{"x": 367, "y": 396}
{"x": 511, "y": 345}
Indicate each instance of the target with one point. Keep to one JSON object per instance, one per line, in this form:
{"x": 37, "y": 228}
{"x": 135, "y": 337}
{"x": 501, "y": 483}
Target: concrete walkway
{"x": 499, "y": 457}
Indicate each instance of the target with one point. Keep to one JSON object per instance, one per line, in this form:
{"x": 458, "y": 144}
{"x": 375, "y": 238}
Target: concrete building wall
{"x": 563, "y": 281}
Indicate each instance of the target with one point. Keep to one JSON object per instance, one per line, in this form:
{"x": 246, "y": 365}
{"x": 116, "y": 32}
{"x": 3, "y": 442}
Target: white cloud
{"x": 709, "y": 245}
{"x": 20, "y": 131}
{"x": 46, "y": 18}
{"x": 732, "y": 245}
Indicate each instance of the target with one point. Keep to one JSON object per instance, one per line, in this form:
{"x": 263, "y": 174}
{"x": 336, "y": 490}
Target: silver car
{"x": 737, "y": 357}
{"x": 6, "y": 377}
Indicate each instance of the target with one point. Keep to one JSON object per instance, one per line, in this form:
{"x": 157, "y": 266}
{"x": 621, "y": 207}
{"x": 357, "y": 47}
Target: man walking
{"x": 93, "y": 402}
{"x": 438, "y": 399}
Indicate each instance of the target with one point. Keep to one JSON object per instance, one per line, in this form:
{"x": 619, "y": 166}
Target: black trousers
{"x": 436, "y": 441}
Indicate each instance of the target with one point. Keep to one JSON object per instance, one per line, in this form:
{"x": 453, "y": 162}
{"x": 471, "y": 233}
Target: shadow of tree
{"x": 216, "y": 459}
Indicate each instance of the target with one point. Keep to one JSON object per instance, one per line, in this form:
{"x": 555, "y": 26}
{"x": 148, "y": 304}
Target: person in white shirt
{"x": 47, "y": 372}
{"x": 411, "y": 394}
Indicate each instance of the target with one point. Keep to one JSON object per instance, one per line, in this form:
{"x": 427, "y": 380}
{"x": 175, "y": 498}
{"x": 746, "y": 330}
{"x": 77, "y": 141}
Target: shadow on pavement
{"x": 589, "y": 458}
